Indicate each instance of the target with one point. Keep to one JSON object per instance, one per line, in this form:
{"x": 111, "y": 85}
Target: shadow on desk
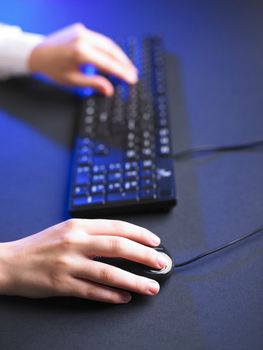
{"x": 51, "y": 111}
{"x": 45, "y": 107}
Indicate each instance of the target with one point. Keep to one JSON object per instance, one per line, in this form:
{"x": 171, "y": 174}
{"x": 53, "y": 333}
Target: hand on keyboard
{"x": 59, "y": 261}
{"x": 62, "y": 53}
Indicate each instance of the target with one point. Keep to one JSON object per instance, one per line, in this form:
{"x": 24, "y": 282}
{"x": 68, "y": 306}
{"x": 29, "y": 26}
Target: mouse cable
{"x": 212, "y": 251}
{"x": 216, "y": 149}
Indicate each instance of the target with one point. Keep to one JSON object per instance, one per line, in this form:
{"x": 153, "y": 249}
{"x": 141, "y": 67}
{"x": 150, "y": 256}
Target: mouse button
{"x": 160, "y": 248}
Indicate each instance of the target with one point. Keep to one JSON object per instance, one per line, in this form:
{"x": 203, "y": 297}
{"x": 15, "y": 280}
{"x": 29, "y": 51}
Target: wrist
{"x": 5, "y": 276}
{"x": 34, "y": 60}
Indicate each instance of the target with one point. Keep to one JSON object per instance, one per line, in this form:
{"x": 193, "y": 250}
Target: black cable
{"x": 219, "y": 149}
{"x": 212, "y": 251}
{"x": 213, "y": 148}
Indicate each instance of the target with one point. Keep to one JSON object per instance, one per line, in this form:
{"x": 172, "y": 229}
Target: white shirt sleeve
{"x": 15, "y": 49}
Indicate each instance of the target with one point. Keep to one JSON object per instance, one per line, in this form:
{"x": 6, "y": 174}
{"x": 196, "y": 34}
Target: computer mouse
{"x": 143, "y": 270}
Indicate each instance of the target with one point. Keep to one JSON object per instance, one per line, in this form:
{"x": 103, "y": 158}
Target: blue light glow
{"x": 88, "y": 70}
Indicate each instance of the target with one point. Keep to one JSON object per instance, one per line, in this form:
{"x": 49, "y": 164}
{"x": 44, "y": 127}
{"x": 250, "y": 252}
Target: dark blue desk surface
{"x": 215, "y": 59}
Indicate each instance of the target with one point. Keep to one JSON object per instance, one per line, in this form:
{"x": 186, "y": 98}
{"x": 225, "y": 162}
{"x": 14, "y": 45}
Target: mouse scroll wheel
{"x": 167, "y": 268}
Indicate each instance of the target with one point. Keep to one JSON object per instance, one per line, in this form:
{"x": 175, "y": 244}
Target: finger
{"x": 115, "y": 277}
{"x": 110, "y": 48}
{"x": 119, "y": 247}
{"x": 96, "y": 82}
{"x": 113, "y": 56}
{"x": 117, "y": 228}
{"x": 116, "y": 54}
{"x": 88, "y": 54}
{"x": 94, "y": 291}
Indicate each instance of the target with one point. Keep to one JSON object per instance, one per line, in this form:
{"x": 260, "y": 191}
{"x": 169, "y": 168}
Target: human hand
{"x": 62, "y": 53}
{"x": 59, "y": 261}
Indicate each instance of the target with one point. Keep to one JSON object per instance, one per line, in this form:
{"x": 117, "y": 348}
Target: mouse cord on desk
{"x": 206, "y": 149}
{"x": 212, "y": 251}
{"x": 217, "y": 149}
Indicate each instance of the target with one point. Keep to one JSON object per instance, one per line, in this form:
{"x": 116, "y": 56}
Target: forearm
{"x": 15, "y": 49}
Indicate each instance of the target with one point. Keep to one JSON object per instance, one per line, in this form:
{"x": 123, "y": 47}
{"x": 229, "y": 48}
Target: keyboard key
{"x": 97, "y": 189}
{"x": 90, "y": 101}
{"x": 124, "y": 196}
{"x": 147, "y": 173}
{"x": 87, "y": 200}
{"x": 131, "y": 175}
{"x": 115, "y": 167}
{"x": 161, "y": 99}
{"x": 147, "y": 152}
{"x": 80, "y": 200}
{"x": 115, "y": 187}
{"x": 147, "y": 164}
{"x": 131, "y": 125}
{"x": 115, "y": 177}
{"x": 96, "y": 199}
{"x": 164, "y": 140}
{"x": 84, "y": 160}
{"x": 163, "y": 122}
{"x": 81, "y": 191}
{"x": 147, "y": 143}
{"x": 131, "y": 136}
{"x": 98, "y": 179}
{"x": 85, "y": 150}
{"x": 89, "y": 131}
{"x": 99, "y": 169}
{"x": 147, "y": 134}
{"x": 164, "y": 132}
{"x": 148, "y": 183}
{"x": 90, "y": 110}
{"x": 146, "y": 116}
{"x": 148, "y": 193}
{"x": 131, "y": 186}
{"x": 85, "y": 141}
{"x": 82, "y": 178}
{"x": 83, "y": 169}
{"x": 131, "y": 166}
{"x": 131, "y": 145}
{"x": 89, "y": 120}
{"x": 101, "y": 150}
{"x": 164, "y": 150}
{"x": 103, "y": 117}
{"x": 131, "y": 154}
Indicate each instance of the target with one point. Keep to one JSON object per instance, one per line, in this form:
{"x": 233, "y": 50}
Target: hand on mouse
{"x": 62, "y": 53}
{"x": 59, "y": 261}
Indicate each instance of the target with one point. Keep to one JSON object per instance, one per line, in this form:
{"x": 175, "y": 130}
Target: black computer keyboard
{"x": 122, "y": 151}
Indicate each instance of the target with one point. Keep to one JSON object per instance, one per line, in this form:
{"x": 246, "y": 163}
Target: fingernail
{"x": 161, "y": 261}
{"x": 155, "y": 240}
{"x": 125, "y": 297}
{"x": 153, "y": 288}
